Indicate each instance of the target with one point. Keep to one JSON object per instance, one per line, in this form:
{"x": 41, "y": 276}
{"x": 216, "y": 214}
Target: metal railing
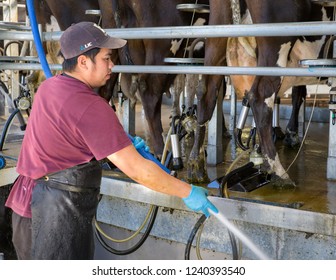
{"x": 208, "y": 31}
{"x": 206, "y": 70}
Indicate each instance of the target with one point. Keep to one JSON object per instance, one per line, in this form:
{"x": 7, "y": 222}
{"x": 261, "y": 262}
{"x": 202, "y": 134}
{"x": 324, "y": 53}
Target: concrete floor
{"x": 307, "y": 168}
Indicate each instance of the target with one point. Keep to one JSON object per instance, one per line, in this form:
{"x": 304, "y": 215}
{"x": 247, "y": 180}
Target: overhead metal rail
{"x": 208, "y": 31}
{"x": 6, "y": 5}
{"x": 19, "y": 58}
{"x": 14, "y": 26}
{"x": 206, "y": 70}
{"x": 274, "y": 29}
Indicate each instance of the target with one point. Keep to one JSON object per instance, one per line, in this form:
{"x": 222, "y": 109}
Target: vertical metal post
{"x": 233, "y": 109}
{"x": 236, "y": 19}
{"x": 302, "y": 119}
{"x": 128, "y": 117}
{"x": 10, "y": 14}
{"x": 331, "y": 162}
{"x": 215, "y": 133}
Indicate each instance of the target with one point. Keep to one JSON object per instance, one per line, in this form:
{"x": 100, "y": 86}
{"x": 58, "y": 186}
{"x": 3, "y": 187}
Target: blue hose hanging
{"x": 37, "y": 39}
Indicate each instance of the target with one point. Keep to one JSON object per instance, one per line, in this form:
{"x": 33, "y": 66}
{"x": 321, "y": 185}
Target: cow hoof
{"x": 198, "y": 178}
{"x": 278, "y": 133}
{"x": 197, "y": 174}
{"x": 292, "y": 140}
{"x": 282, "y": 183}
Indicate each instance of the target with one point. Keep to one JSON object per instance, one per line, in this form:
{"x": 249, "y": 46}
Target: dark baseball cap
{"x": 84, "y": 36}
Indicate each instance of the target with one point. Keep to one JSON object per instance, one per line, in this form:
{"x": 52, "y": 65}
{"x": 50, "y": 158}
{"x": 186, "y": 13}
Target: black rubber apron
{"x": 63, "y": 207}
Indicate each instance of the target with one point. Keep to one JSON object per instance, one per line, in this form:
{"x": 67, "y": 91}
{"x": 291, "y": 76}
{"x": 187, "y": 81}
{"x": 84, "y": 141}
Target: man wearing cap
{"x": 70, "y": 129}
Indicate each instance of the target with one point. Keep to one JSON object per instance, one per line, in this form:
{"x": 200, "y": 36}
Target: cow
{"x": 150, "y": 87}
{"x": 271, "y": 51}
{"x": 65, "y": 12}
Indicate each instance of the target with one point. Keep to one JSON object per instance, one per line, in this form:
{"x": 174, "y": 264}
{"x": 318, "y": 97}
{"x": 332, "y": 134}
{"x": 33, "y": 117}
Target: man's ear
{"x": 81, "y": 62}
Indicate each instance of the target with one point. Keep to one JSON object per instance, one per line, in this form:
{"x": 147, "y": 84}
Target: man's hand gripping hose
{"x": 198, "y": 201}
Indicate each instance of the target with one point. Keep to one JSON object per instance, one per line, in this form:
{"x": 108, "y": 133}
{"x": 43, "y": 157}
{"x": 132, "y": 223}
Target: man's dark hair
{"x": 70, "y": 64}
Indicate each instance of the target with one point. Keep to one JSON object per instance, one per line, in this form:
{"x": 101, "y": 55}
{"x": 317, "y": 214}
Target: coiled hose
{"x": 198, "y": 227}
{"x": 135, "y": 247}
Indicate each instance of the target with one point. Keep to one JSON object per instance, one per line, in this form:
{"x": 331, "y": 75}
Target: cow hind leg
{"x": 292, "y": 138}
{"x": 197, "y": 172}
{"x": 196, "y": 167}
{"x": 262, "y": 112}
{"x": 175, "y": 91}
{"x": 151, "y": 102}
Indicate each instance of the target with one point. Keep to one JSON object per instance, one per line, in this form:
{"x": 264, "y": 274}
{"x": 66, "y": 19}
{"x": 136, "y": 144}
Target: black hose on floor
{"x": 193, "y": 232}
{"x": 137, "y": 245}
{"x": 6, "y": 127}
{"x": 192, "y": 235}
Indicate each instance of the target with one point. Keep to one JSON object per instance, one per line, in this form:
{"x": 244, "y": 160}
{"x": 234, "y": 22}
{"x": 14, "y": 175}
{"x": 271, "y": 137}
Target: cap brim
{"x": 113, "y": 43}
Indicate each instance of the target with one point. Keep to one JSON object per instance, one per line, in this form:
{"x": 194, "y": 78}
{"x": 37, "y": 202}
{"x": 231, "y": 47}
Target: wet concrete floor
{"x": 313, "y": 192}
{"x": 307, "y": 168}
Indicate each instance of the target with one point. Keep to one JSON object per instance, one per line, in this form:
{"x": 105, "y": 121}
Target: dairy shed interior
{"x": 284, "y": 223}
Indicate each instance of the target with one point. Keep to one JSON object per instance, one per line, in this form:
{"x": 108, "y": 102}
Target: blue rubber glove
{"x": 139, "y": 143}
{"x": 198, "y": 201}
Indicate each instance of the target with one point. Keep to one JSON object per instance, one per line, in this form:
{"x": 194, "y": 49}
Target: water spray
{"x": 239, "y": 234}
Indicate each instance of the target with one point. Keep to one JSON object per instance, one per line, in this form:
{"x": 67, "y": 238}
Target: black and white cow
{"x": 262, "y": 91}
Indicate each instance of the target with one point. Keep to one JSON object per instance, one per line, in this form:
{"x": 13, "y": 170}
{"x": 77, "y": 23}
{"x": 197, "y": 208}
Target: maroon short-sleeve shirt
{"x": 69, "y": 125}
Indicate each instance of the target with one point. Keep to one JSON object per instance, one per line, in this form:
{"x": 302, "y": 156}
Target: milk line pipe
{"x": 242, "y": 237}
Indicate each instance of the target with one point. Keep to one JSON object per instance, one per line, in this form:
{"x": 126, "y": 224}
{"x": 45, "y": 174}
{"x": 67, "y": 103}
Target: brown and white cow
{"x": 271, "y": 51}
